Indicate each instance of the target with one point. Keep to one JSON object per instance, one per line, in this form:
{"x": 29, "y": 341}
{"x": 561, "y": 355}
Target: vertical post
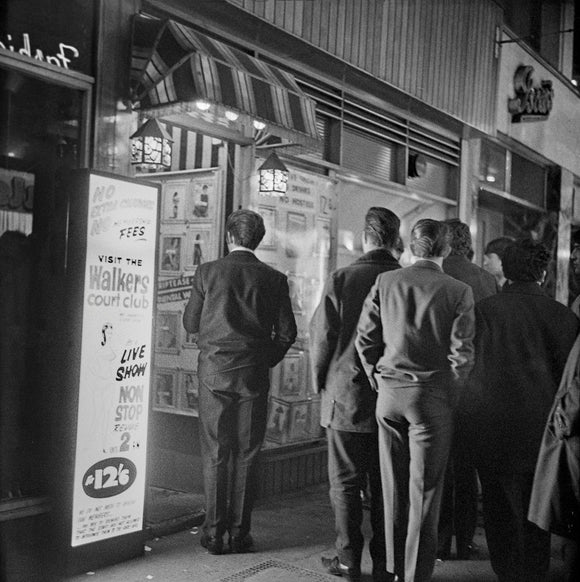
{"x": 565, "y": 215}
{"x": 469, "y": 186}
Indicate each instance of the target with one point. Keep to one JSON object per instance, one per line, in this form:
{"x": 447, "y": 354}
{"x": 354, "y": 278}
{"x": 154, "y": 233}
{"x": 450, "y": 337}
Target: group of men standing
{"x": 425, "y": 373}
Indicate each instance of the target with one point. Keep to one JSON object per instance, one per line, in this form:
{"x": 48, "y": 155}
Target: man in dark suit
{"x": 241, "y": 309}
{"x": 459, "y": 506}
{"x": 522, "y": 340}
{"x": 348, "y": 402}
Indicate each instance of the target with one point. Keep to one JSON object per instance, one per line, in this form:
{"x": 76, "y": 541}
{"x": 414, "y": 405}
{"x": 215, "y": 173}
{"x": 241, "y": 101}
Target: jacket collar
{"x": 523, "y": 287}
{"x": 422, "y": 264}
{"x": 241, "y": 255}
{"x": 378, "y": 256}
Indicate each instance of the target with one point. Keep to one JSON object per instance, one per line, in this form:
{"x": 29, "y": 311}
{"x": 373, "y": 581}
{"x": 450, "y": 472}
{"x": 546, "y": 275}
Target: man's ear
{"x": 543, "y": 277}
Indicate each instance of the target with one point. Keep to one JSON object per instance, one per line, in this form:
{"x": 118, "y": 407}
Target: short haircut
{"x": 498, "y": 246}
{"x": 461, "y": 243}
{"x": 525, "y": 260}
{"x": 246, "y": 228}
{"x": 430, "y": 238}
{"x": 382, "y": 227}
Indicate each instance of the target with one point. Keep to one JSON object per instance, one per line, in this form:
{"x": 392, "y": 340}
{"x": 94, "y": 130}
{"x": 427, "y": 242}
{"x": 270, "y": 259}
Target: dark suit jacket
{"x": 241, "y": 309}
{"x": 522, "y": 340}
{"x": 482, "y": 283}
{"x": 348, "y": 402}
{"x": 417, "y": 326}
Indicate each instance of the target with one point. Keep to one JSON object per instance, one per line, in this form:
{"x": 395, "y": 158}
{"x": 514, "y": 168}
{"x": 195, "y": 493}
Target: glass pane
{"x": 39, "y": 138}
{"x": 528, "y": 181}
{"x": 492, "y": 167}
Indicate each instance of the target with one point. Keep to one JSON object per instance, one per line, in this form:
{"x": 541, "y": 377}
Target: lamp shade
{"x": 273, "y": 176}
{"x": 151, "y": 147}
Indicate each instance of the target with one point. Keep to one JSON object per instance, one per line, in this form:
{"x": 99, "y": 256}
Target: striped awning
{"x": 174, "y": 64}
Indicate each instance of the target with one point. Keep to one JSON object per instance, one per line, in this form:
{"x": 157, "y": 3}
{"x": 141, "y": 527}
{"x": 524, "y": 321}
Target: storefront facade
{"x": 357, "y": 142}
{"x": 46, "y": 85}
{"x": 528, "y": 170}
{"x": 360, "y": 111}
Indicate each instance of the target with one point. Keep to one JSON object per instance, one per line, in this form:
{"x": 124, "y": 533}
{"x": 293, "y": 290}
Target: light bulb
{"x": 202, "y": 105}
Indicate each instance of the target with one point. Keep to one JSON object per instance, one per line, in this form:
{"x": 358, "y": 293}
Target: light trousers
{"x": 415, "y": 431}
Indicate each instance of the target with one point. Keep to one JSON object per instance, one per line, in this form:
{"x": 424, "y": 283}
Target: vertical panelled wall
{"x": 439, "y": 51}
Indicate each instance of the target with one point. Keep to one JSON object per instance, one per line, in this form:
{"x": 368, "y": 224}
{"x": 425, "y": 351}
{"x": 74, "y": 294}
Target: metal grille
{"x": 369, "y": 155}
{"x": 277, "y": 571}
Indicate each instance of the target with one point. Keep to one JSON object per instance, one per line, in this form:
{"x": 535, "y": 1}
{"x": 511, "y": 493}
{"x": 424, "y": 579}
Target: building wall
{"x": 441, "y": 52}
{"x": 556, "y": 138}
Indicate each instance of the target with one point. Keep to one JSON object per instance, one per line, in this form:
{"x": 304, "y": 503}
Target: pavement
{"x": 291, "y": 533}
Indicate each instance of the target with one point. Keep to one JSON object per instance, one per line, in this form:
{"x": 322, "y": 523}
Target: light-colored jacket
{"x": 417, "y": 326}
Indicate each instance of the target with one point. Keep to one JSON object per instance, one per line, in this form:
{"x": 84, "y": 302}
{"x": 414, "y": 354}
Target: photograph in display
{"x": 299, "y": 421}
{"x": 295, "y": 233}
{"x": 269, "y": 242}
{"x": 291, "y": 384}
{"x": 296, "y": 287}
{"x": 165, "y": 389}
{"x": 199, "y": 248}
{"x": 168, "y": 328}
{"x": 323, "y": 237}
{"x": 171, "y": 254}
{"x": 202, "y": 199}
{"x": 189, "y": 388}
{"x": 277, "y": 426}
{"x": 174, "y": 201}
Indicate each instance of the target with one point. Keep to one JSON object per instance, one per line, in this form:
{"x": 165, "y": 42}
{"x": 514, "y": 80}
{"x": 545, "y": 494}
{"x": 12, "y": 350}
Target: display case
{"x": 191, "y": 229}
{"x": 300, "y": 242}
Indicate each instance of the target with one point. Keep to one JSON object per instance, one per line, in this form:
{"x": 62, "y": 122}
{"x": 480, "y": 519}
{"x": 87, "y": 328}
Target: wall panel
{"x": 439, "y": 51}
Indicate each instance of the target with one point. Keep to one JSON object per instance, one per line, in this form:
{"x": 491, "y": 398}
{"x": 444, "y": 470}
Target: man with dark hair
{"x": 493, "y": 255}
{"x": 522, "y": 341}
{"x": 241, "y": 309}
{"x": 348, "y": 401}
{"x": 459, "y": 506}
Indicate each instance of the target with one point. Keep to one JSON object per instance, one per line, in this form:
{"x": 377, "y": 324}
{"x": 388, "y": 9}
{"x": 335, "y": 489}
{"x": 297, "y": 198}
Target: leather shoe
{"x": 464, "y": 552}
{"x": 380, "y": 574}
{"x": 213, "y": 544}
{"x": 241, "y": 544}
{"x": 334, "y": 567}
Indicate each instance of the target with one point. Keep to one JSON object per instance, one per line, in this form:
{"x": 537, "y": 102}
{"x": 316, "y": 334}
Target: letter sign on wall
{"x": 531, "y": 103}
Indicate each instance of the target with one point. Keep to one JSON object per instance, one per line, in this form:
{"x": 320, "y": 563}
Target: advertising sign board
{"x": 115, "y": 358}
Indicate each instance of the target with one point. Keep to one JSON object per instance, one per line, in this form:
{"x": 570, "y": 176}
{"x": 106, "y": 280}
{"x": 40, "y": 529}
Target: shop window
{"x": 39, "y": 141}
{"x": 528, "y": 181}
{"x": 40, "y": 137}
{"x": 432, "y": 175}
{"x": 492, "y": 166}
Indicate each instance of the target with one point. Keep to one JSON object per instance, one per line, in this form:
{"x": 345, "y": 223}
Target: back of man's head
{"x": 461, "y": 243}
{"x": 246, "y": 228}
{"x": 525, "y": 260}
{"x": 382, "y": 227}
{"x": 498, "y": 246}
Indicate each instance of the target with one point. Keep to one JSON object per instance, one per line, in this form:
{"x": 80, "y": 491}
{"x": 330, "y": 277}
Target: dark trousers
{"x": 519, "y": 550}
{"x": 232, "y": 428}
{"x": 459, "y": 505}
{"x": 415, "y": 431}
{"x": 353, "y": 461}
